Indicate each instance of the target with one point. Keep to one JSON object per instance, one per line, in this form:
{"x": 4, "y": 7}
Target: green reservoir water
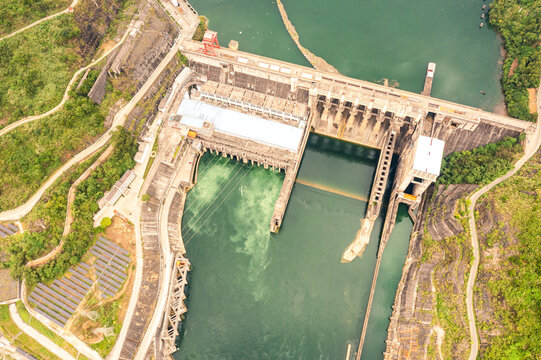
{"x": 257, "y": 295}
{"x": 372, "y": 40}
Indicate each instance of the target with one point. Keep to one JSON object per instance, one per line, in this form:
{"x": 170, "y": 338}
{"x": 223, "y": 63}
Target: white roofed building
{"x": 194, "y": 114}
{"x": 422, "y": 167}
{"x": 428, "y": 156}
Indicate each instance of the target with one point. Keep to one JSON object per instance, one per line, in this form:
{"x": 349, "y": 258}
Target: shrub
{"x": 480, "y": 165}
{"x": 105, "y": 222}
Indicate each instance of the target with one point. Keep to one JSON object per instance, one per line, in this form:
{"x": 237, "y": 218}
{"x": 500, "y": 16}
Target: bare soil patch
{"x": 108, "y": 45}
{"x": 514, "y": 66}
{"x": 532, "y": 102}
{"x": 121, "y": 233}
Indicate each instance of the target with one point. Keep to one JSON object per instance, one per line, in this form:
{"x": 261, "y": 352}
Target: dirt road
{"x": 66, "y": 10}
{"x": 532, "y": 145}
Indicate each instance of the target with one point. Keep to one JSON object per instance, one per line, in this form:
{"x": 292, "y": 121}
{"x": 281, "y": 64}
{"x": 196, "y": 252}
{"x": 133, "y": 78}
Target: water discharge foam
{"x": 258, "y": 295}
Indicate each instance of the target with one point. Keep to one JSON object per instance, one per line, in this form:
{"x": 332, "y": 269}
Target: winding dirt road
{"x": 118, "y": 120}
{"x": 69, "y": 216}
{"x": 532, "y": 145}
{"x": 66, "y": 10}
{"x": 28, "y": 119}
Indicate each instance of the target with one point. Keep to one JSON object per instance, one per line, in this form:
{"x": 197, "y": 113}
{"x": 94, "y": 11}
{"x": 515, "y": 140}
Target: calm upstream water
{"x": 373, "y": 39}
{"x": 256, "y": 295}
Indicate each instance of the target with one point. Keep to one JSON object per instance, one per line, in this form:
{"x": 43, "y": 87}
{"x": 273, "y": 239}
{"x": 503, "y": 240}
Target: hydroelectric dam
{"x": 261, "y": 111}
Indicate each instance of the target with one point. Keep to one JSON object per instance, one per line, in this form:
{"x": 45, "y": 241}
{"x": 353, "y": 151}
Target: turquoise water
{"x": 372, "y": 40}
{"x": 257, "y": 295}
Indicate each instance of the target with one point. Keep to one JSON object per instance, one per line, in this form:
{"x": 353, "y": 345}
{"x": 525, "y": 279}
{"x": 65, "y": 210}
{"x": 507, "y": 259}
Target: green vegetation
{"x": 450, "y": 258}
{"x": 107, "y": 318}
{"x": 518, "y": 23}
{"x": 454, "y": 254}
{"x": 201, "y": 28}
{"x": 19, "y": 339}
{"x": 514, "y": 283}
{"x": 84, "y": 206}
{"x": 183, "y": 60}
{"x": 145, "y": 197}
{"x": 16, "y": 14}
{"x": 480, "y": 165}
{"x": 58, "y": 340}
{"x": 31, "y": 153}
{"x": 105, "y": 222}
{"x": 36, "y": 66}
{"x": 45, "y": 223}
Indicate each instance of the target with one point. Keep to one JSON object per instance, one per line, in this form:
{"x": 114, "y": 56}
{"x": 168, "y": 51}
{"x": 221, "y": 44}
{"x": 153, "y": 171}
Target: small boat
{"x": 483, "y": 16}
{"x": 481, "y": 25}
{"x": 484, "y": 7}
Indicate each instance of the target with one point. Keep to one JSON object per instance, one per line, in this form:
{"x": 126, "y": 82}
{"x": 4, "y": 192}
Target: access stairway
{"x": 376, "y": 198}
{"x": 382, "y": 174}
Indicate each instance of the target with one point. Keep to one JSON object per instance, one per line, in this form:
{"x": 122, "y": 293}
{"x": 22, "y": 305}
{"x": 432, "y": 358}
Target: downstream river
{"x": 257, "y": 295}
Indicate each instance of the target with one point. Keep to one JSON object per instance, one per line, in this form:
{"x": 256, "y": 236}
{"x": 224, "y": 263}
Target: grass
{"x": 19, "y": 339}
{"x": 152, "y": 158}
{"x": 201, "y": 28}
{"x": 450, "y": 255}
{"x": 58, "y": 340}
{"x": 33, "y": 152}
{"x": 16, "y": 14}
{"x": 512, "y": 279}
{"x": 35, "y": 67}
{"x": 44, "y": 224}
{"x": 108, "y": 317}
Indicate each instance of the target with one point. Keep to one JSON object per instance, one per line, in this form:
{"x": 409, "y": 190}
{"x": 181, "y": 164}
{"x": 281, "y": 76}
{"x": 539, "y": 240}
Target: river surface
{"x": 373, "y": 39}
{"x": 257, "y": 295}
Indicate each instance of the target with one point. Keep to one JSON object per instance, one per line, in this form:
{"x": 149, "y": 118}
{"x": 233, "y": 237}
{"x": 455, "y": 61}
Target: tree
{"x": 105, "y": 222}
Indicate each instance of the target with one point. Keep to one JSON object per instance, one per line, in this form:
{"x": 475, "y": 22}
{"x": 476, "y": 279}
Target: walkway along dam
{"x": 259, "y": 110}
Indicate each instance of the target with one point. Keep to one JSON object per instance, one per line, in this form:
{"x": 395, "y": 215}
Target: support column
{"x": 366, "y": 117}
{"x": 332, "y": 126}
{"x": 351, "y": 118}
{"x": 325, "y": 113}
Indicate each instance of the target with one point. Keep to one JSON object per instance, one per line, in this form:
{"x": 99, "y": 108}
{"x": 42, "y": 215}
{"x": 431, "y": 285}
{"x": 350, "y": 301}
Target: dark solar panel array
{"x": 110, "y": 266}
{"x": 8, "y": 230}
{"x": 25, "y": 354}
{"x": 58, "y": 301}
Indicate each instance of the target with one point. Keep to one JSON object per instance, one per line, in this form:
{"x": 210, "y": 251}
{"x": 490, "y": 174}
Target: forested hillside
{"x": 519, "y": 23}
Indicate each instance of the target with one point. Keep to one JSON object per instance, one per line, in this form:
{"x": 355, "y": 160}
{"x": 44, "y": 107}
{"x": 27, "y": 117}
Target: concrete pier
{"x": 287, "y": 186}
{"x": 431, "y": 69}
